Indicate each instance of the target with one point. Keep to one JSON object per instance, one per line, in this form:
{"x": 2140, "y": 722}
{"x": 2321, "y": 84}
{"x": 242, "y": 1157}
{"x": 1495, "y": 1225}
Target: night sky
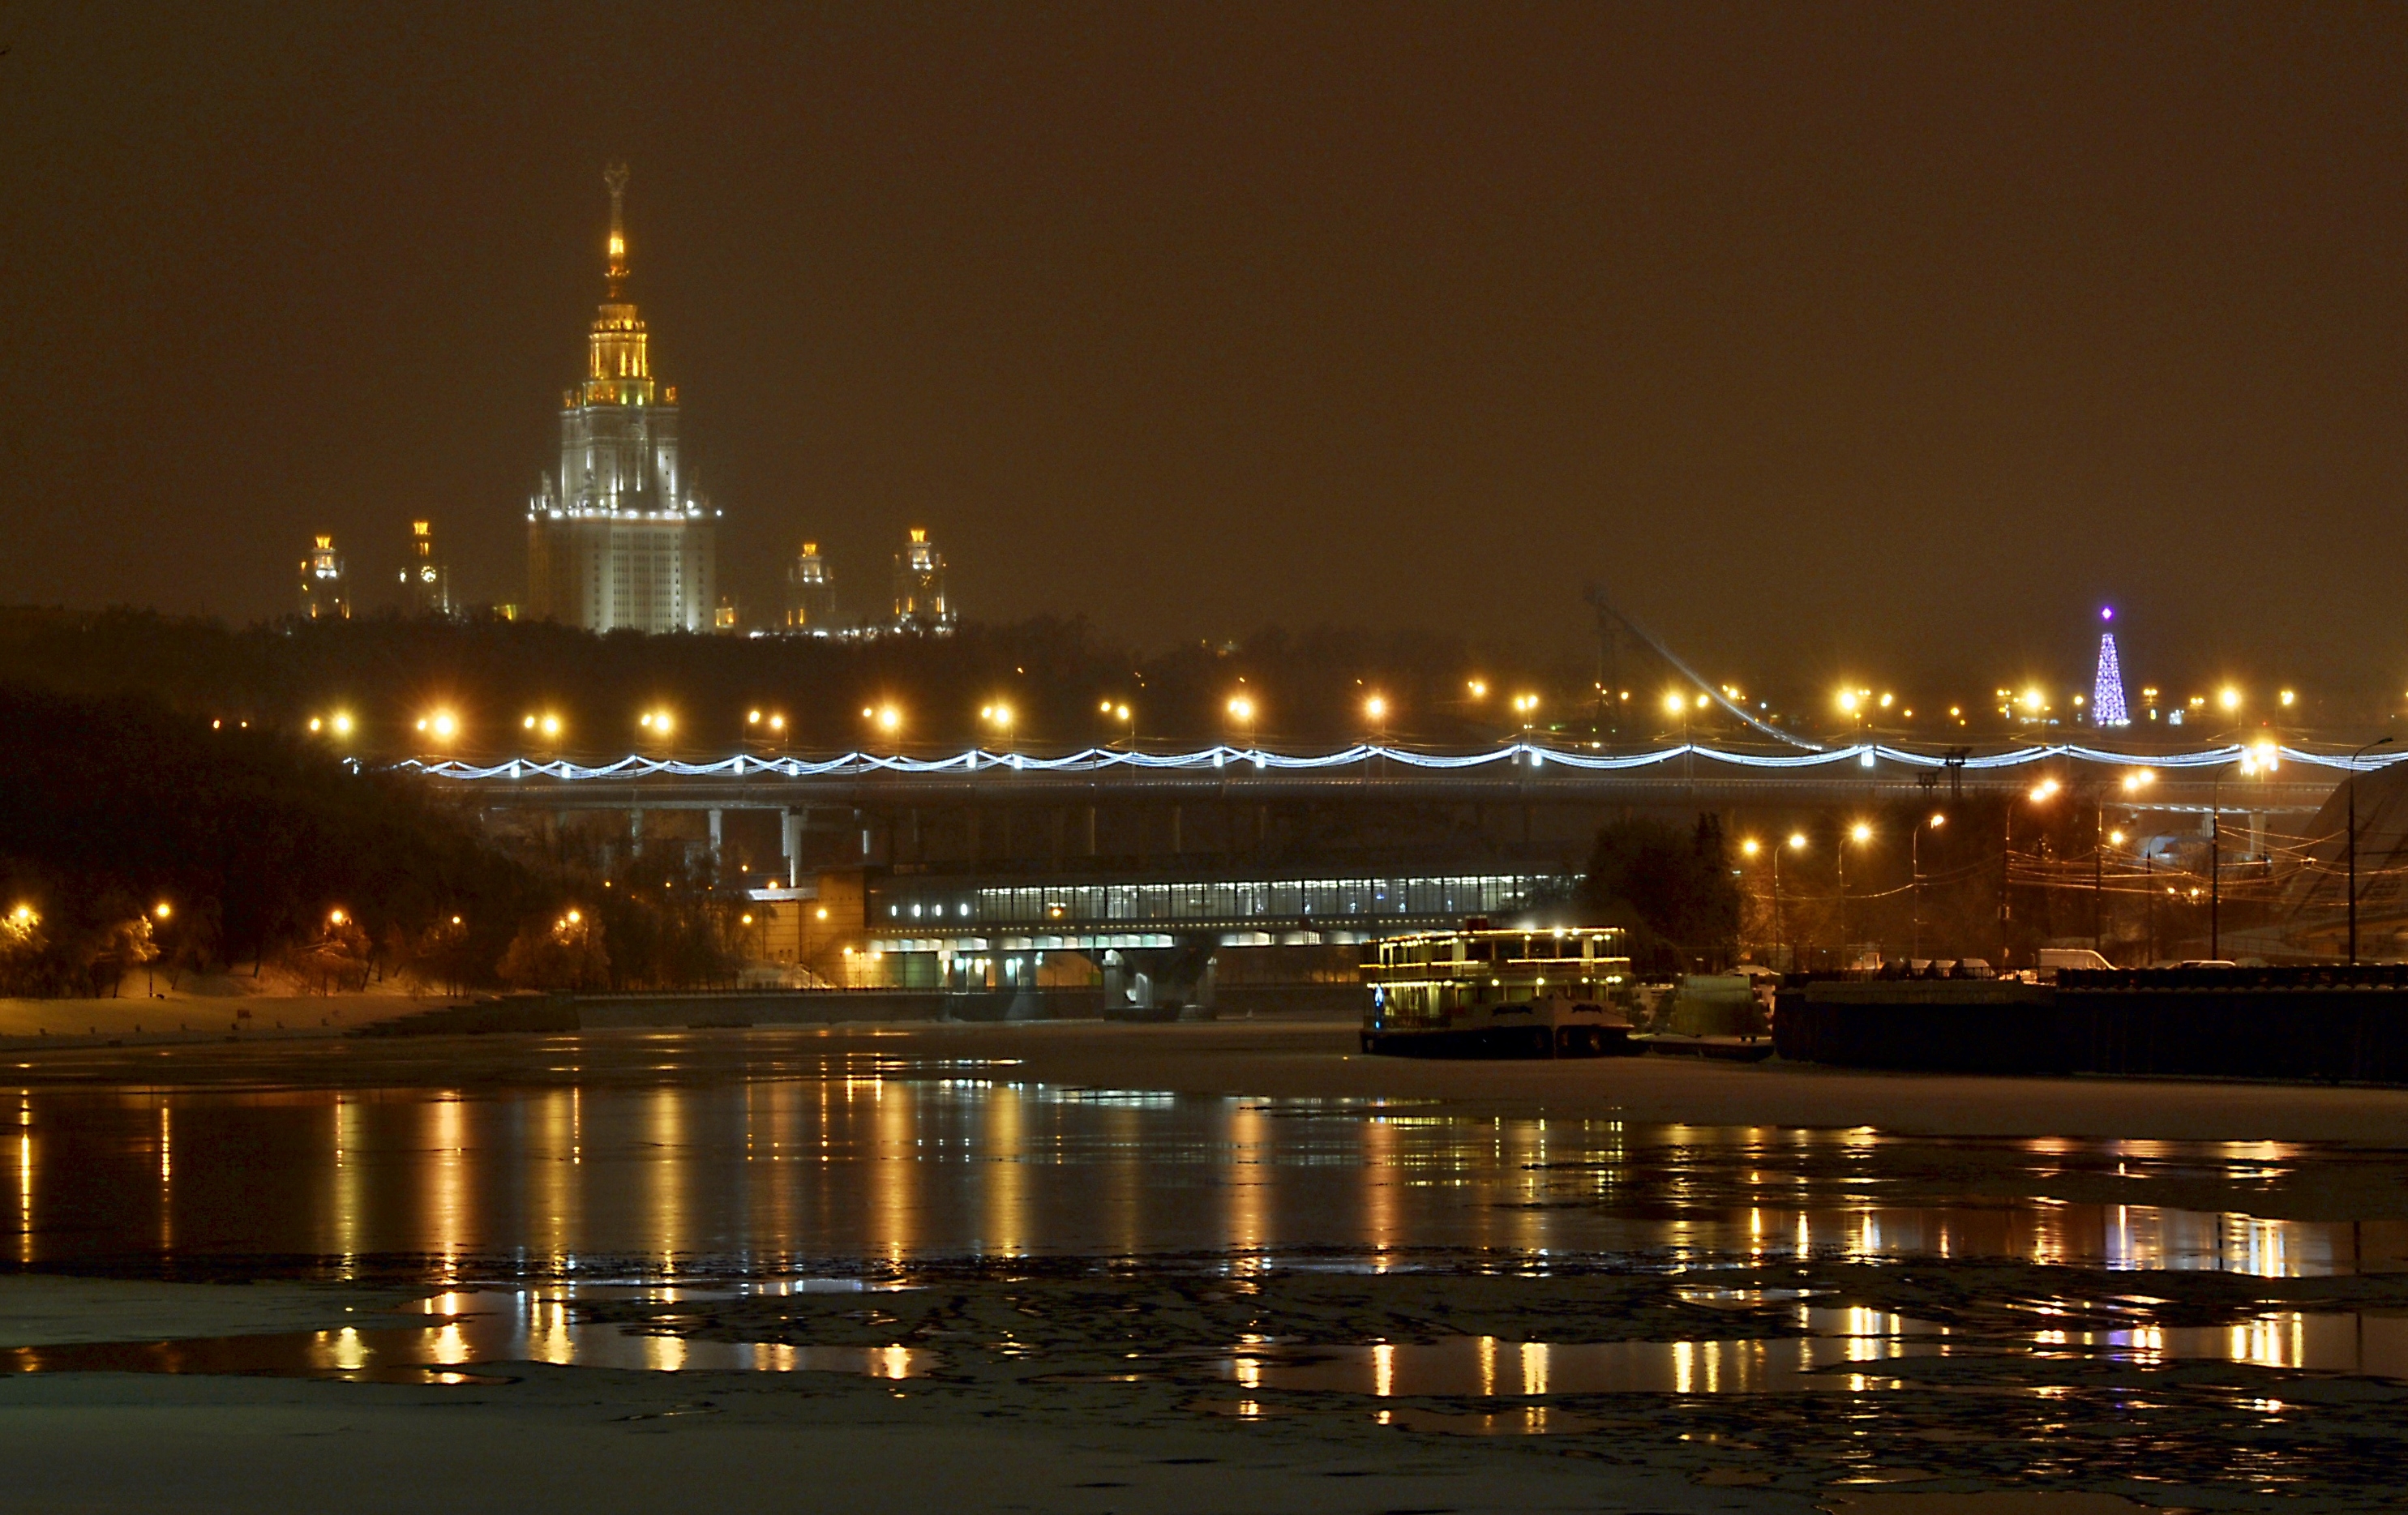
{"x": 1837, "y": 339}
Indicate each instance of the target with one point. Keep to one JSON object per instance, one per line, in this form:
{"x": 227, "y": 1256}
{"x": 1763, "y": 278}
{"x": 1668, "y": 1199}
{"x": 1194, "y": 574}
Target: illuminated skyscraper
{"x": 810, "y": 593}
{"x": 919, "y": 586}
{"x": 2107, "y": 689}
{"x": 325, "y": 596}
{"x": 426, "y": 583}
{"x": 616, "y": 540}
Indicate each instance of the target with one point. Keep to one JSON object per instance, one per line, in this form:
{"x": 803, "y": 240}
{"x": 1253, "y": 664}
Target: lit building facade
{"x": 810, "y": 593}
{"x": 426, "y": 583}
{"x": 616, "y": 540}
{"x": 325, "y": 594}
{"x": 920, "y": 602}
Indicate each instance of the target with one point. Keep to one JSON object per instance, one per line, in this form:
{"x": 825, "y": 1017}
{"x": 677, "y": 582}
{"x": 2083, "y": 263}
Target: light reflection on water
{"x": 768, "y": 1176}
{"x": 476, "y": 1331}
{"x": 1842, "y": 1349}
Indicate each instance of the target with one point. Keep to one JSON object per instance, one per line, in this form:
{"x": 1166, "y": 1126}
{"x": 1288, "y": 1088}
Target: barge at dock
{"x": 1482, "y": 993}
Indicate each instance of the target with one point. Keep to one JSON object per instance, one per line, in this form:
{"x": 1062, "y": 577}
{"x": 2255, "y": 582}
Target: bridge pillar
{"x": 790, "y": 842}
{"x": 715, "y": 834}
{"x": 634, "y": 833}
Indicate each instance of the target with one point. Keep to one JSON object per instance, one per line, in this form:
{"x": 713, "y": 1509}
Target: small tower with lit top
{"x": 810, "y": 593}
{"x": 426, "y": 583}
{"x": 920, "y": 603}
{"x": 324, "y": 593}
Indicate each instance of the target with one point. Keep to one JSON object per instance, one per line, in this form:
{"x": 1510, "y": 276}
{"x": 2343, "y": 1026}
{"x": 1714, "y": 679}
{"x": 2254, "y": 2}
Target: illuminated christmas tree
{"x": 2107, "y": 690}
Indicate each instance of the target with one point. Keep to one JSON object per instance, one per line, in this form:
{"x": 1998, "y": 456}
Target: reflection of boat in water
{"x": 1479, "y": 992}
{"x": 1713, "y": 1015}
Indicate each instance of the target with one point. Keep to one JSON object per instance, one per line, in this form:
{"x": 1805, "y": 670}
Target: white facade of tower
{"x": 615, "y": 539}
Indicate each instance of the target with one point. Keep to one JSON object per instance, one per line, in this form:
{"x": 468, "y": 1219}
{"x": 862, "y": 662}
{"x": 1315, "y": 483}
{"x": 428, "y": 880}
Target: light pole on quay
{"x": 1859, "y": 834}
{"x": 2379, "y": 741}
{"x": 1914, "y": 866}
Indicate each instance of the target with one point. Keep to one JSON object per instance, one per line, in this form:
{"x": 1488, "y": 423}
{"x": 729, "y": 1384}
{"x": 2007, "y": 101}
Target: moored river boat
{"x": 1484, "y": 992}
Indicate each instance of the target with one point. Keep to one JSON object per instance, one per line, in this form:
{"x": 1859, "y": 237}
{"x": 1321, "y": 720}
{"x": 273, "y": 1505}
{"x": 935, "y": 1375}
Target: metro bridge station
{"x": 985, "y": 852}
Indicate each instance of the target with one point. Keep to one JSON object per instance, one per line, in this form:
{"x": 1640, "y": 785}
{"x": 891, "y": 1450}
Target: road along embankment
{"x": 2329, "y": 1025}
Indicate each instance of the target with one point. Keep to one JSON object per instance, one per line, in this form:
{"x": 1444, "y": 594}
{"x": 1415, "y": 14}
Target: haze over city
{"x": 1327, "y": 757}
{"x": 1875, "y": 341}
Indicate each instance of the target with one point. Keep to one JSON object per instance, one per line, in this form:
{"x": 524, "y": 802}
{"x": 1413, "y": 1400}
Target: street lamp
{"x": 1241, "y": 711}
{"x": 2262, "y": 757}
{"x": 1859, "y": 834}
{"x": 2379, "y": 741}
{"x": 160, "y": 912}
{"x": 1122, "y": 712}
{"x": 1749, "y": 847}
{"x": 1914, "y": 866}
{"x": 998, "y": 716}
{"x": 1375, "y": 709}
{"x": 1859, "y": 706}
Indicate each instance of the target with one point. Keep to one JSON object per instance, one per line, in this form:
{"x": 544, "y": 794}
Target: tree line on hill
{"x": 1064, "y": 685}
{"x": 135, "y": 836}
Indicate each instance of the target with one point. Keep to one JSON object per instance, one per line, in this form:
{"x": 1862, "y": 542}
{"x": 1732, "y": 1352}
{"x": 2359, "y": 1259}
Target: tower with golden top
{"x": 617, "y": 539}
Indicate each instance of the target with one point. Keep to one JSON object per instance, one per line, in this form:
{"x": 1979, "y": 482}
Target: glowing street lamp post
{"x": 2354, "y": 757}
{"x": 1914, "y": 866}
{"x": 2230, "y": 699}
{"x": 160, "y": 912}
{"x": 2042, "y": 794}
{"x": 2138, "y": 779}
{"x": 1241, "y": 711}
{"x": 1780, "y": 921}
{"x": 2260, "y": 759}
{"x": 999, "y": 717}
{"x": 886, "y": 717}
{"x": 1859, "y": 834}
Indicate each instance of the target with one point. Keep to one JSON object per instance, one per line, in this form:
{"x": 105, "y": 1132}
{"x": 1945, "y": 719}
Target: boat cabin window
{"x": 1479, "y": 952}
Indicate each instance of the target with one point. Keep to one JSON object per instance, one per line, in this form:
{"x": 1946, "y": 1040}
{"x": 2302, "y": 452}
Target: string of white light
{"x": 1097, "y": 759}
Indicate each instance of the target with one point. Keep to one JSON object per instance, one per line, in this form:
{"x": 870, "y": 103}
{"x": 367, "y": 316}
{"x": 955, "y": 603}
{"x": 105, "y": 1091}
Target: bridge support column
{"x": 790, "y": 842}
{"x": 716, "y": 835}
{"x": 634, "y": 833}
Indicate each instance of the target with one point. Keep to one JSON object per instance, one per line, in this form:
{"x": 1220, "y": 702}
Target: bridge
{"x": 1107, "y": 846}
